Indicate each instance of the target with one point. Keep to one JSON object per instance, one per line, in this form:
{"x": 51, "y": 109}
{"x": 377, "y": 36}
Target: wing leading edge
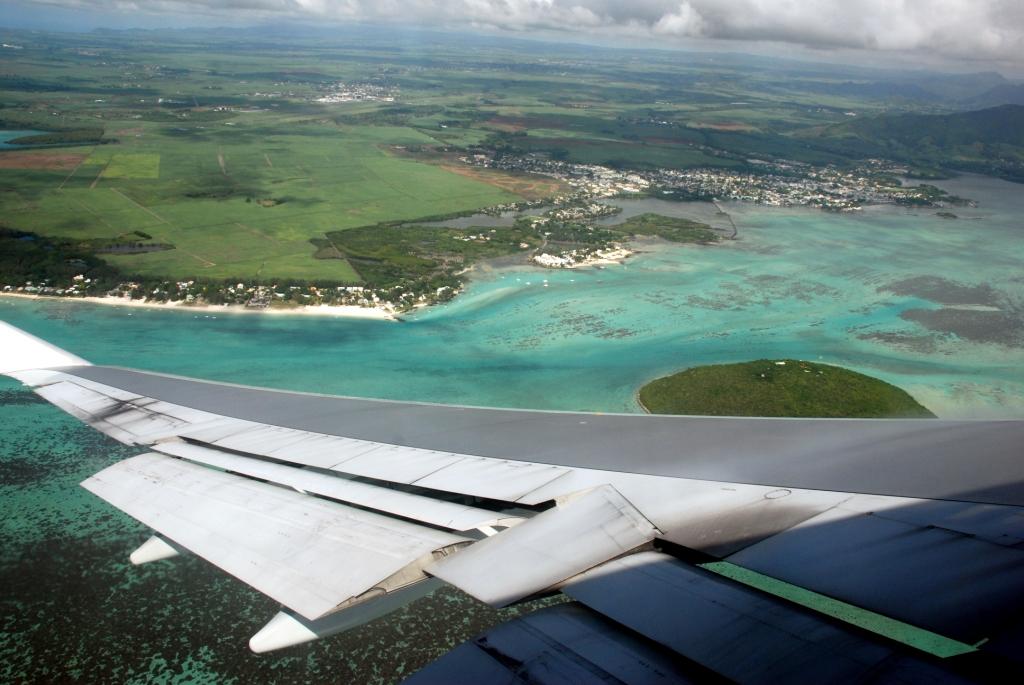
{"x": 282, "y": 490}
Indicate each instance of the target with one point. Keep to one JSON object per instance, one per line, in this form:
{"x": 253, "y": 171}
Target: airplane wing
{"x": 753, "y": 550}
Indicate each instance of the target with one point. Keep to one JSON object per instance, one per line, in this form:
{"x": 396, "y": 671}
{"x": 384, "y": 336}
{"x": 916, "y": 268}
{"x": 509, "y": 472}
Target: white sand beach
{"x": 352, "y": 311}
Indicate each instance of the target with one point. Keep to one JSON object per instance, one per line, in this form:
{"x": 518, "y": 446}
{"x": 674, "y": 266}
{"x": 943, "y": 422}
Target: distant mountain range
{"x": 958, "y": 91}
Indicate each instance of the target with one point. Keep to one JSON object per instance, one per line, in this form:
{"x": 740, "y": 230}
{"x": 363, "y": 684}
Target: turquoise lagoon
{"x": 933, "y": 305}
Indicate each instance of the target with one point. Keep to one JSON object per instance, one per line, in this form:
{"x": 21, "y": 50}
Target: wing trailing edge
{"x": 585, "y": 531}
{"x": 649, "y": 618}
{"x": 312, "y": 556}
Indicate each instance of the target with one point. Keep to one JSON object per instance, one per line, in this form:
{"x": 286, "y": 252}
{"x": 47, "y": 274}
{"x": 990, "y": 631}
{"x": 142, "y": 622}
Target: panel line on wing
{"x": 449, "y": 515}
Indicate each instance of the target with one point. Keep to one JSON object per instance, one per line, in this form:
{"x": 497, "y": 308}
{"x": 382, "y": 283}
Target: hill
{"x": 778, "y": 388}
{"x": 1006, "y": 94}
{"x": 988, "y": 141}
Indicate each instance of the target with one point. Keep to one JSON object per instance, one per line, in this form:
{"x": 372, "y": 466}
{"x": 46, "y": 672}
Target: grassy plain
{"x": 238, "y": 202}
{"x": 116, "y": 165}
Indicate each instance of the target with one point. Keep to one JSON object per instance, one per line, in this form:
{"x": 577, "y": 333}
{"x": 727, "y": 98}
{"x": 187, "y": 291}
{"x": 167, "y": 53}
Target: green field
{"x": 116, "y": 166}
{"x": 238, "y": 202}
{"x": 784, "y": 387}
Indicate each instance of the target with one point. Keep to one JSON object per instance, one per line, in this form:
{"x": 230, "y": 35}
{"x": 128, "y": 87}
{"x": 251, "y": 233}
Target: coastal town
{"x": 567, "y": 235}
{"x": 774, "y": 183}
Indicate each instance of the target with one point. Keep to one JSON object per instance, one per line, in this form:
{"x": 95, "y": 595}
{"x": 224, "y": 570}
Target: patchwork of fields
{"x": 237, "y": 199}
{"x": 239, "y": 150}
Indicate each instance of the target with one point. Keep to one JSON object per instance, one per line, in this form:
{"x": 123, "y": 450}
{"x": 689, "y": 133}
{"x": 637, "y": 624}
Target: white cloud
{"x": 684, "y": 21}
{"x": 962, "y": 29}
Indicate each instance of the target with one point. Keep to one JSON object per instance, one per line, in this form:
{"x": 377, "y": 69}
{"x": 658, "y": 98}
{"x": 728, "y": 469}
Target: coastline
{"x": 347, "y": 311}
{"x": 639, "y": 402}
{"x": 616, "y": 255}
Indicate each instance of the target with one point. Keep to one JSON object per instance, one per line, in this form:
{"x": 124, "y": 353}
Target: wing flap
{"x": 999, "y": 524}
{"x": 557, "y": 544}
{"x": 564, "y": 644}
{"x": 707, "y": 618}
{"x": 716, "y": 518}
{"x": 920, "y": 574}
{"x": 310, "y": 555}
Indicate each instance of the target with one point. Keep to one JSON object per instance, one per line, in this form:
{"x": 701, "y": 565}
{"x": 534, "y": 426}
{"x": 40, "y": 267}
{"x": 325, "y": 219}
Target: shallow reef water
{"x": 933, "y": 305}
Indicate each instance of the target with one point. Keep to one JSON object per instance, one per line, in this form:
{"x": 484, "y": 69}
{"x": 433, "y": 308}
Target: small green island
{"x": 784, "y": 387}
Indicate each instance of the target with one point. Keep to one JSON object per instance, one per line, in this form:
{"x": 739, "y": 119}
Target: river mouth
{"x": 704, "y": 212}
{"x": 483, "y": 220}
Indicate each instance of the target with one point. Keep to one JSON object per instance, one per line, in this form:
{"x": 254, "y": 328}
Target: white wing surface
{"x": 343, "y": 508}
{"x": 310, "y": 555}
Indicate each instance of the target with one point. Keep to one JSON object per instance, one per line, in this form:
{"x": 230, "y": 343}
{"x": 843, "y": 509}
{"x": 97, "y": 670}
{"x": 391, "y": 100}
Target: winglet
{"x": 21, "y": 351}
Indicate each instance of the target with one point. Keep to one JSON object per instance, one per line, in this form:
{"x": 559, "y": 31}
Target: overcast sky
{"x": 974, "y": 33}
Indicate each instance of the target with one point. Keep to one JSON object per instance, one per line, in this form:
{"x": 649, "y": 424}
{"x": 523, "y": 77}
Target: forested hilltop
{"x": 988, "y": 141}
{"x": 785, "y": 387}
